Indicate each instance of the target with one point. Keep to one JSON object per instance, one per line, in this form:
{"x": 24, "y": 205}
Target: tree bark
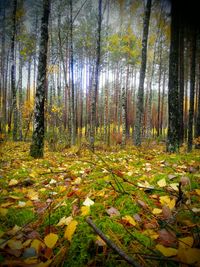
{"x": 140, "y": 98}
{"x": 37, "y": 146}
{"x": 173, "y": 93}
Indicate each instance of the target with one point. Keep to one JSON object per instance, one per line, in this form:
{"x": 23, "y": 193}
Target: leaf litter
{"x": 148, "y": 193}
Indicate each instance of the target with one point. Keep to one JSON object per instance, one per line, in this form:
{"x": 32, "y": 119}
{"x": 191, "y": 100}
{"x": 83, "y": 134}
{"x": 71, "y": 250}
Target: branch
{"x": 112, "y": 245}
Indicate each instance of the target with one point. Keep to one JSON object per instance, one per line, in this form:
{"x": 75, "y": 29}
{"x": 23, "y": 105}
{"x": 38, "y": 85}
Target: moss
{"x": 18, "y": 217}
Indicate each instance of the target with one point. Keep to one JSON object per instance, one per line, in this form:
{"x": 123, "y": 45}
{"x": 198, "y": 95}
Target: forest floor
{"x": 145, "y": 201}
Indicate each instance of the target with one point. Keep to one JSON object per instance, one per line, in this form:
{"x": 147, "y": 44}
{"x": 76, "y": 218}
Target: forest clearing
{"x": 99, "y": 133}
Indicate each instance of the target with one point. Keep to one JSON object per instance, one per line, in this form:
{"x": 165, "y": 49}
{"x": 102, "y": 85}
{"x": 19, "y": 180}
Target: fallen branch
{"x": 112, "y": 245}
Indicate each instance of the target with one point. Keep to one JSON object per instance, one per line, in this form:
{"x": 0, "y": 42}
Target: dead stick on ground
{"x": 112, "y": 245}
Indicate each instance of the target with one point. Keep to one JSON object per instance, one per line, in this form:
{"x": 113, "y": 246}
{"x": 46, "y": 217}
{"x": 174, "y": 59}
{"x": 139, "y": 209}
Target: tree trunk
{"x": 37, "y": 146}
{"x": 96, "y": 79}
{"x": 192, "y": 90}
{"x": 173, "y": 93}
{"x": 140, "y": 98}
{"x": 13, "y": 72}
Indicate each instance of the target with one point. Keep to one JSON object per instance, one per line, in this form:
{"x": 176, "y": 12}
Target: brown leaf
{"x": 167, "y": 238}
{"x": 166, "y": 212}
{"x": 142, "y": 204}
{"x": 113, "y": 212}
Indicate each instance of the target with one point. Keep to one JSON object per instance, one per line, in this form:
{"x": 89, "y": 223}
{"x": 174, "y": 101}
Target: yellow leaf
{"x": 70, "y": 230}
{"x": 186, "y": 242}
{"x": 33, "y": 174}
{"x": 171, "y": 204}
{"x": 4, "y": 205}
{"x": 44, "y": 264}
{"x": 85, "y": 210}
{"x": 88, "y": 202}
{"x": 15, "y": 244}
{"x": 27, "y": 243}
{"x": 197, "y": 191}
{"x": 174, "y": 186}
{"x": 50, "y": 240}
{"x": 151, "y": 233}
{"x": 3, "y": 211}
{"x": 14, "y": 230}
{"x": 166, "y": 251}
{"x": 37, "y": 244}
{"x": 1, "y": 233}
{"x": 129, "y": 219}
{"x": 64, "y": 221}
{"x": 156, "y": 211}
{"x": 32, "y": 195}
{"x": 162, "y": 183}
{"x": 189, "y": 255}
{"x": 31, "y": 260}
{"x": 13, "y": 182}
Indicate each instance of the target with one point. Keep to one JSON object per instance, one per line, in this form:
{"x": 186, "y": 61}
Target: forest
{"x": 99, "y": 133}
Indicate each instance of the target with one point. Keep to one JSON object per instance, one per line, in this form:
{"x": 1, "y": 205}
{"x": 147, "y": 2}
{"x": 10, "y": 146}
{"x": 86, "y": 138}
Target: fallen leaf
{"x": 14, "y": 230}
{"x": 165, "y": 200}
{"x": 15, "y": 244}
{"x": 189, "y": 255}
{"x": 70, "y": 230}
{"x": 151, "y": 233}
{"x": 37, "y": 245}
{"x": 64, "y": 221}
{"x": 167, "y": 238}
{"x": 129, "y": 219}
{"x": 186, "y": 242}
{"x": 32, "y": 195}
{"x": 196, "y": 210}
{"x": 50, "y": 240}
{"x": 197, "y": 191}
{"x": 174, "y": 186}
{"x": 13, "y": 182}
{"x": 156, "y": 211}
{"x": 166, "y": 251}
{"x": 85, "y": 210}
{"x": 162, "y": 183}
{"x": 3, "y": 211}
{"x": 142, "y": 204}
{"x": 113, "y": 212}
{"x": 88, "y": 202}
{"x": 77, "y": 181}
{"x": 166, "y": 212}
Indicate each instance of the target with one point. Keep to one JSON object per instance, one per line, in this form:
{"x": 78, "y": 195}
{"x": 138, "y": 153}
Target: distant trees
{"x": 101, "y": 84}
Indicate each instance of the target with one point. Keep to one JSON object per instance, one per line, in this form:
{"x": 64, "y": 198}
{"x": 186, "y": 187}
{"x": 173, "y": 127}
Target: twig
{"x": 112, "y": 245}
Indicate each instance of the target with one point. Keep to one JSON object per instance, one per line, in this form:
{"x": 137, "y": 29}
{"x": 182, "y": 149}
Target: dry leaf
{"x": 64, "y": 221}
{"x": 166, "y": 251}
{"x": 3, "y": 211}
{"x": 32, "y": 195}
{"x": 162, "y": 183}
{"x": 174, "y": 186}
{"x": 113, "y": 212}
{"x": 151, "y": 233}
{"x": 166, "y": 238}
{"x": 197, "y": 191}
{"x": 186, "y": 242}
{"x": 37, "y": 245}
{"x": 189, "y": 255}
{"x": 88, "y": 202}
{"x": 166, "y": 212}
{"x": 13, "y": 182}
{"x": 50, "y": 240}
{"x": 156, "y": 211}
{"x": 129, "y": 219}
{"x": 70, "y": 230}
{"x": 85, "y": 210}
{"x": 15, "y": 244}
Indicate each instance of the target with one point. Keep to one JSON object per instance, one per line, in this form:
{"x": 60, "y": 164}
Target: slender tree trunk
{"x": 181, "y": 83}
{"x": 20, "y": 97}
{"x": 192, "y": 89}
{"x": 173, "y": 93}
{"x": 37, "y": 146}
{"x": 197, "y": 126}
{"x": 13, "y": 72}
{"x": 140, "y": 98}
{"x": 96, "y": 79}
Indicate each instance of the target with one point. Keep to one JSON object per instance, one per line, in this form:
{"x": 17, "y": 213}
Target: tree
{"x": 96, "y": 78}
{"x": 140, "y": 98}
{"x": 173, "y": 93}
{"x": 37, "y": 146}
{"x": 13, "y": 72}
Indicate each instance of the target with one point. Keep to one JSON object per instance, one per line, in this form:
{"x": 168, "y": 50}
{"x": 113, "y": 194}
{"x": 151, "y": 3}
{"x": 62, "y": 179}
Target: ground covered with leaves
{"x": 143, "y": 202}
